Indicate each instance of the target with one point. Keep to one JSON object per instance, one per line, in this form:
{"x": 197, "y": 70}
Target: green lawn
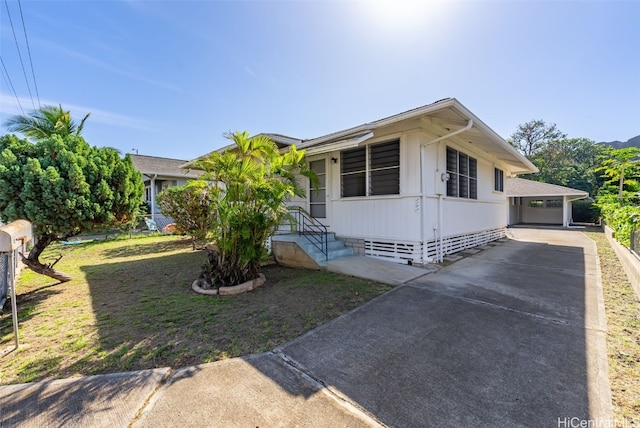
{"x": 130, "y": 306}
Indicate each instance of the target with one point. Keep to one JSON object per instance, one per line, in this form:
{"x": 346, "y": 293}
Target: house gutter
{"x": 440, "y": 195}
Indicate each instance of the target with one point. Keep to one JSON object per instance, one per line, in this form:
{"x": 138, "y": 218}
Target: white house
{"x": 532, "y": 202}
{"x": 414, "y": 186}
{"x": 159, "y": 174}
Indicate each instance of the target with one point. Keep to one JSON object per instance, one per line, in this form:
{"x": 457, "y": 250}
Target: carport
{"x": 533, "y": 202}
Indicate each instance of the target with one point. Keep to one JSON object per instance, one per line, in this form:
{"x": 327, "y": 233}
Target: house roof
{"x": 282, "y": 140}
{"x": 444, "y": 119}
{"x": 166, "y": 167}
{"x": 521, "y": 187}
{"x": 447, "y": 119}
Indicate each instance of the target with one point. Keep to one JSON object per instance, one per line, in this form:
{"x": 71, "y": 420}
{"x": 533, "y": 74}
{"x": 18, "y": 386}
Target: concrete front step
{"x": 336, "y": 248}
{"x": 335, "y": 251}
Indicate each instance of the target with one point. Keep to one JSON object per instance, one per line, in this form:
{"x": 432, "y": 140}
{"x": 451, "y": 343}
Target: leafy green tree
{"x": 532, "y": 136}
{"x": 569, "y": 162}
{"x": 190, "y": 208}
{"x": 45, "y": 122}
{"x": 65, "y": 187}
{"x": 621, "y": 167}
{"x": 253, "y": 182}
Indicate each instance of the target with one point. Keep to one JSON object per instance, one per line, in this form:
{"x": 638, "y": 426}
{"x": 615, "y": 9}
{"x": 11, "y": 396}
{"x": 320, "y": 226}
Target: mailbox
{"x": 14, "y": 235}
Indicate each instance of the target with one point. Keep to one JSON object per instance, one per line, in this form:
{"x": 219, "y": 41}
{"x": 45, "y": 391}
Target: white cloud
{"x": 9, "y": 107}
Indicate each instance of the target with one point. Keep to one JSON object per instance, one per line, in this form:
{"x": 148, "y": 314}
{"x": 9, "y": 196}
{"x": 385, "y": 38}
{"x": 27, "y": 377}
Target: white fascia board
{"x": 338, "y": 145}
{"x": 382, "y": 122}
{"x": 549, "y": 194}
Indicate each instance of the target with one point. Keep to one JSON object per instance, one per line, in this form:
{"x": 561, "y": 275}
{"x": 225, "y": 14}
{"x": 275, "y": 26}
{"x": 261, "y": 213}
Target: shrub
{"x": 253, "y": 183}
{"x": 584, "y": 211}
{"x": 623, "y": 219}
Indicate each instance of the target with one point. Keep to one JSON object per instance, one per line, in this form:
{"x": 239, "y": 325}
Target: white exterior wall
{"x": 413, "y": 216}
{"x": 542, "y": 215}
{"x": 377, "y": 218}
{"x": 461, "y": 215}
{"x": 393, "y": 217}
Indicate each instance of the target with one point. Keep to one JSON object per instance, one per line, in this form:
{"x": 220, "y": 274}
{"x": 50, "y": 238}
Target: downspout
{"x": 440, "y": 195}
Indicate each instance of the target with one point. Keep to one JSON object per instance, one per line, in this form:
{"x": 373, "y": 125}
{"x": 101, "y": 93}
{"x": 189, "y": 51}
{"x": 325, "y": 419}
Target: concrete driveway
{"x": 513, "y": 336}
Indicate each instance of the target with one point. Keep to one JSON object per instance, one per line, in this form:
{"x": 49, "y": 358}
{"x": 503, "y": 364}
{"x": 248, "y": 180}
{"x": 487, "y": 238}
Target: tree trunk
{"x": 621, "y": 186}
{"x": 33, "y": 261}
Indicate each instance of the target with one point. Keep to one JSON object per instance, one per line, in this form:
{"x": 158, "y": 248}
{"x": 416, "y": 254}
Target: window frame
{"x": 370, "y": 172}
{"x": 321, "y": 191}
{"x": 498, "y": 180}
{"x": 554, "y": 203}
{"x": 462, "y": 173}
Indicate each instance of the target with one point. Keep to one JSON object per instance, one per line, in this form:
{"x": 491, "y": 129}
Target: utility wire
{"x": 11, "y": 84}
{"x": 33, "y": 72}
{"x": 19, "y": 54}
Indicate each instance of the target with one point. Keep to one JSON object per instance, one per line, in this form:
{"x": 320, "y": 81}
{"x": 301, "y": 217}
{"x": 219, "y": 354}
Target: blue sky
{"x": 169, "y": 78}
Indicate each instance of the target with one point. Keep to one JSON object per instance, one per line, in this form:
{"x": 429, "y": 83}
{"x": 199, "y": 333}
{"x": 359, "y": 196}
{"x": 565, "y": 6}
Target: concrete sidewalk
{"x": 513, "y": 336}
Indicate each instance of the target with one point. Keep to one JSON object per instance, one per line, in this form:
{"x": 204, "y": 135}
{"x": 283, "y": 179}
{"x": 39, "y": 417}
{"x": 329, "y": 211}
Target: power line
{"x": 19, "y": 54}
{"x": 33, "y": 72}
{"x": 11, "y": 84}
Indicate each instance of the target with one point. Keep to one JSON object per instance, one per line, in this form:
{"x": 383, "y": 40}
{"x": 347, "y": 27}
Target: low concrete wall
{"x": 354, "y": 243}
{"x": 290, "y": 254}
{"x": 630, "y": 262}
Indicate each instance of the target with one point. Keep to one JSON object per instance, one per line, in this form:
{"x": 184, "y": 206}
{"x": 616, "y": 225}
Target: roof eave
{"x": 370, "y": 126}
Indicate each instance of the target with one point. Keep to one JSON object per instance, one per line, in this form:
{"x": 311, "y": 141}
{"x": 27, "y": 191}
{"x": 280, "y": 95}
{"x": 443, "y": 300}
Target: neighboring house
{"x": 159, "y": 174}
{"x": 533, "y": 202}
{"x": 414, "y": 186}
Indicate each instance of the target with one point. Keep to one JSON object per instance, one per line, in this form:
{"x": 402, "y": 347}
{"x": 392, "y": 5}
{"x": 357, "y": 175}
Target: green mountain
{"x": 631, "y": 142}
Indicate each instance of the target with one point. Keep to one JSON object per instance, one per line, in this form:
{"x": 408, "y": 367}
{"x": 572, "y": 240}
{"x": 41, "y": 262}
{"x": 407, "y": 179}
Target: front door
{"x": 318, "y": 196}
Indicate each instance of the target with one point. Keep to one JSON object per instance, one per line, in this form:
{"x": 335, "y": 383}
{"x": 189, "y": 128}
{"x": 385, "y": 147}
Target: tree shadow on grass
{"x": 27, "y": 304}
{"x": 135, "y": 248}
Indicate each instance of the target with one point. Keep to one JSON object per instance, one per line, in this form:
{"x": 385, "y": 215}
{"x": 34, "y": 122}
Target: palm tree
{"x": 45, "y": 122}
{"x": 254, "y": 182}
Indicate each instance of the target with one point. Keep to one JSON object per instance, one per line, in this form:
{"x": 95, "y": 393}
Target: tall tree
{"x": 569, "y": 162}
{"x": 253, "y": 181}
{"x": 532, "y": 136}
{"x": 65, "y": 187}
{"x": 622, "y": 167}
{"x": 45, "y": 122}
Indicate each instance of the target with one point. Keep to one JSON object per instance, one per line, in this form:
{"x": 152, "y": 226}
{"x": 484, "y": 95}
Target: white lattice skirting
{"x": 403, "y": 251}
{"x": 456, "y": 243}
{"x": 398, "y": 250}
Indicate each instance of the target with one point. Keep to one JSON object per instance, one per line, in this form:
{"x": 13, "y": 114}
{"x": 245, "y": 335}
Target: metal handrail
{"x": 313, "y": 231}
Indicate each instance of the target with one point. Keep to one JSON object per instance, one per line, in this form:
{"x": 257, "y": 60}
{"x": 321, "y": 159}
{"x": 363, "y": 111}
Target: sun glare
{"x": 399, "y": 14}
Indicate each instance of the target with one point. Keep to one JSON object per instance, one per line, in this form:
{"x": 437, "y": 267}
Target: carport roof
{"x": 521, "y": 187}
